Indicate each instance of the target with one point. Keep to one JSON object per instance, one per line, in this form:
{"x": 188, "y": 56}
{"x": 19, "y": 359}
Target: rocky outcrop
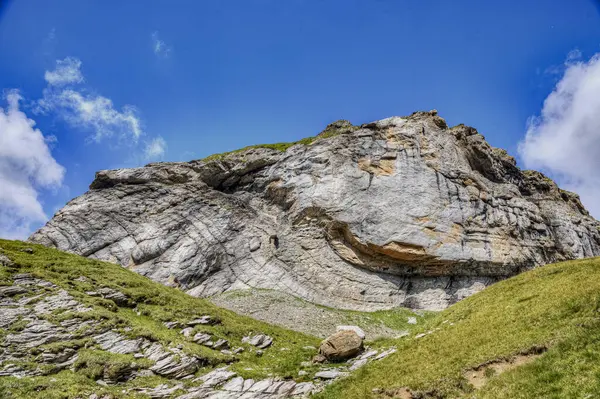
{"x": 52, "y": 325}
{"x": 399, "y": 212}
{"x": 261, "y": 341}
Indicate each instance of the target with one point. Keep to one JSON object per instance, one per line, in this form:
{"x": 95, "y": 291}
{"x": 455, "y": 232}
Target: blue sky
{"x": 118, "y": 84}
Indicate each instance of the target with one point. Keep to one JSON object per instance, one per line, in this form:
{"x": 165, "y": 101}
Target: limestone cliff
{"x": 399, "y": 212}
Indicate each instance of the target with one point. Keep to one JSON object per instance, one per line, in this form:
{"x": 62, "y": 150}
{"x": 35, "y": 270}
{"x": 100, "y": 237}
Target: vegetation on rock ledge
{"x": 333, "y": 129}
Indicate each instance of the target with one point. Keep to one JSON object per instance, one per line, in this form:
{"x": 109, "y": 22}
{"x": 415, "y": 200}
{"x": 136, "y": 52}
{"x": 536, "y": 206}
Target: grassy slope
{"x": 557, "y": 306}
{"x": 156, "y": 303}
{"x": 268, "y": 305}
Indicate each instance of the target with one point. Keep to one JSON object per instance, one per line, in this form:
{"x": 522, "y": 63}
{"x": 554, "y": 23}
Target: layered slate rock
{"x": 399, "y": 212}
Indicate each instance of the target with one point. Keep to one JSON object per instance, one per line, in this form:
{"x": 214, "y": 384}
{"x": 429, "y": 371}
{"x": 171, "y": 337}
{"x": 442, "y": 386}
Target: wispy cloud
{"x": 573, "y": 56}
{"x": 49, "y": 42}
{"x": 26, "y": 165}
{"x": 155, "y": 149}
{"x": 68, "y": 71}
{"x": 96, "y": 113}
{"x": 84, "y": 110}
{"x": 564, "y": 139}
{"x": 160, "y": 48}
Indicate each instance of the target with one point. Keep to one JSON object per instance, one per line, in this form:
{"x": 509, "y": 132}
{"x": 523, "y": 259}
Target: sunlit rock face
{"x": 404, "y": 211}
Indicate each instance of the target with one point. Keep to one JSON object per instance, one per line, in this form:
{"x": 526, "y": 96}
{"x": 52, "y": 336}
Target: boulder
{"x": 172, "y": 324}
{"x": 341, "y": 346}
{"x": 5, "y": 261}
{"x": 261, "y": 341}
{"x": 204, "y": 320}
{"x": 116, "y": 296}
{"x": 11, "y": 291}
{"x": 318, "y": 358}
{"x": 356, "y": 329}
{"x": 201, "y": 337}
{"x": 217, "y": 377}
{"x": 330, "y": 374}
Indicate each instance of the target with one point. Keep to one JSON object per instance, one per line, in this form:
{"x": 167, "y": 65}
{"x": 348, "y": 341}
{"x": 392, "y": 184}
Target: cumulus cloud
{"x": 26, "y": 165}
{"x": 155, "y": 149}
{"x": 564, "y": 140}
{"x": 86, "y": 111}
{"x": 68, "y": 71}
{"x": 160, "y": 48}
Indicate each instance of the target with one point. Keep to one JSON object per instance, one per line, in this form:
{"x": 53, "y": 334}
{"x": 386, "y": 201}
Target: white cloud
{"x": 160, "y": 48}
{"x": 26, "y": 165}
{"x": 155, "y": 149}
{"x": 95, "y": 113}
{"x": 87, "y": 111}
{"x": 574, "y": 55}
{"x": 68, "y": 71}
{"x": 565, "y": 139}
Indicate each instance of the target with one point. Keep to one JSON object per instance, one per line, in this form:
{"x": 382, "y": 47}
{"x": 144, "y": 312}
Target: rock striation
{"x": 405, "y": 211}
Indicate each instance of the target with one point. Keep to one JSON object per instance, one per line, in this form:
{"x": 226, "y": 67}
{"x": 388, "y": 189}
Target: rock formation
{"x": 28, "y": 333}
{"x": 342, "y": 345}
{"x": 399, "y": 212}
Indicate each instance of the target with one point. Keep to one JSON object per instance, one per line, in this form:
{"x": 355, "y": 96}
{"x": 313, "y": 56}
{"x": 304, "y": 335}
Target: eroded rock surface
{"x": 399, "y": 212}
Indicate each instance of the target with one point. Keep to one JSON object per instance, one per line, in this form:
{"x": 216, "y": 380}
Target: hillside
{"x": 536, "y": 335}
{"x": 72, "y": 327}
{"x": 400, "y": 212}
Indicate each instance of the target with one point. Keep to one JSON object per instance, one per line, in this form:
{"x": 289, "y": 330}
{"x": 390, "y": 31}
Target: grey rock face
{"x": 61, "y": 300}
{"x": 261, "y": 341}
{"x": 4, "y": 261}
{"x": 116, "y": 343}
{"x": 399, "y": 212}
{"x": 171, "y": 363}
{"x": 27, "y": 329}
{"x": 330, "y": 374}
{"x": 11, "y": 291}
{"x": 204, "y": 320}
{"x": 238, "y": 388}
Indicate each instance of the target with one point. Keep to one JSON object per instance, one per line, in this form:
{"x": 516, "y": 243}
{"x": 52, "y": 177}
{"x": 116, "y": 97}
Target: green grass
{"x": 394, "y": 319}
{"x": 96, "y": 364}
{"x": 556, "y": 306}
{"x": 284, "y": 146}
{"x": 155, "y": 304}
